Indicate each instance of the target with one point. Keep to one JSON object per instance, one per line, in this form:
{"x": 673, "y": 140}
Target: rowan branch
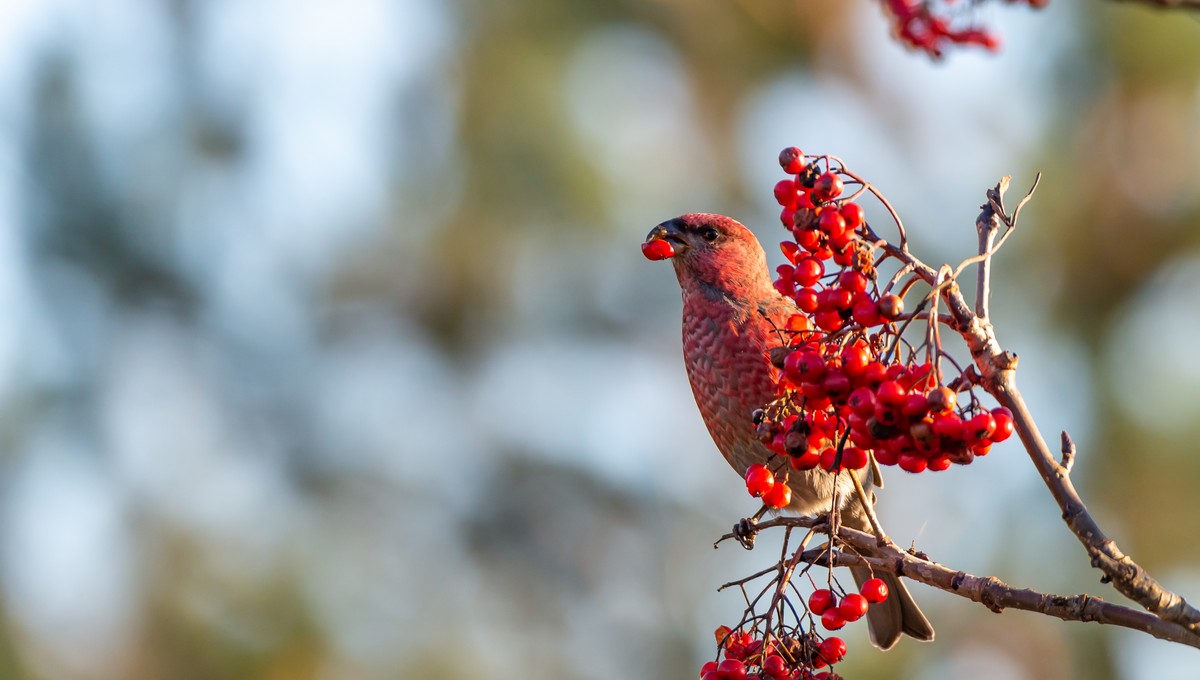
{"x": 997, "y": 369}
{"x": 864, "y": 550}
{"x": 1167, "y": 4}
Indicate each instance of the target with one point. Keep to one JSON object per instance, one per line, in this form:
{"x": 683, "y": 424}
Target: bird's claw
{"x": 745, "y": 531}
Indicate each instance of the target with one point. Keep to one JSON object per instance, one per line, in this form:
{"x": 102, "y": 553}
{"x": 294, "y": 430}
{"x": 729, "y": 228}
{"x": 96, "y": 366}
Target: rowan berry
{"x": 791, "y": 160}
{"x": 828, "y": 186}
{"x": 874, "y": 589}
{"x": 854, "y": 458}
{"x": 832, "y": 650}
{"x": 820, "y": 600}
{"x": 891, "y": 306}
{"x": 852, "y": 607}
{"x": 980, "y": 426}
{"x": 941, "y": 399}
{"x": 853, "y": 281}
{"x": 1004, "y": 424}
{"x": 785, "y": 193}
{"x": 832, "y": 619}
{"x": 731, "y": 669}
{"x": 911, "y": 462}
{"x": 779, "y": 496}
{"x": 759, "y": 480}
{"x": 658, "y": 249}
{"x": 831, "y": 222}
{"x": 808, "y": 271}
{"x": 853, "y": 214}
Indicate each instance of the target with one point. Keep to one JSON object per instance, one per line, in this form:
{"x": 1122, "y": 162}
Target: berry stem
{"x": 868, "y": 509}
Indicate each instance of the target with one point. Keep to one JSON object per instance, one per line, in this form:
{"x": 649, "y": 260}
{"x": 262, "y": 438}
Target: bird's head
{"x": 713, "y": 251}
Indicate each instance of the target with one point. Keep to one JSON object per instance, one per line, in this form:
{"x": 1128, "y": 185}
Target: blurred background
{"x": 330, "y": 353}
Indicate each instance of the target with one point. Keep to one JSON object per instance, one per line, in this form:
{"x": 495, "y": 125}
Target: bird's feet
{"x": 745, "y": 531}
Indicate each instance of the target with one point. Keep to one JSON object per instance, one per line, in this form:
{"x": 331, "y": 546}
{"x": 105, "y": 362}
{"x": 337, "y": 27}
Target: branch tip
{"x": 1068, "y": 453}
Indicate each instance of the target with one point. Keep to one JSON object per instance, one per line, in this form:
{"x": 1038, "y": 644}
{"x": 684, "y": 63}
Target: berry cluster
{"x": 844, "y": 393}
{"x": 794, "y": 655}
{"x": 920, "y": 26}
{"x": 852, "y": 388}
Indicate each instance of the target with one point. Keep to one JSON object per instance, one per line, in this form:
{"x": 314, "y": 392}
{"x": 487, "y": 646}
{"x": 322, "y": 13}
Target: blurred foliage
{"x": 408, "y": 439}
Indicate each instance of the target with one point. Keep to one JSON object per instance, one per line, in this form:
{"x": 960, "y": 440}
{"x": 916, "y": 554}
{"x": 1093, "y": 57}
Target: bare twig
{"x": 868, "y": 509}
{"x": 988, "y": 225}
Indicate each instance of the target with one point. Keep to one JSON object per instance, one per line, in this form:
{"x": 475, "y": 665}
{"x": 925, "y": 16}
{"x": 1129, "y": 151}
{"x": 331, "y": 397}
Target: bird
{"x": 731, "y": 317}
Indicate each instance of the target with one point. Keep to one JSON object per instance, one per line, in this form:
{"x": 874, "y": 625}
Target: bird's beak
{"x": 671, "y": 233}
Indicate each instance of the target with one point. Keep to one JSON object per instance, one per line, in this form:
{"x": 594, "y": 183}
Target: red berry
{"x": 779, "y": 496}
{"x": 941, "y": 399}
{"x": 833, "y": 299}
{"x": 891, "y": 394}
{"x": 828, "y": 186}
{"x": 911, "y": 462}
{"x": 827, "y": 458}
{"x": 855, "y": 359}
{"x": 854, "y": 458}
{"x": 820, "y": 600}
{"x": 807, "y": 460}
{"x": 658, "y": 249}
{"x": 853, "y": 214}
{"x": 804, "y": 366}
{"x": 874, "y": 589}
{"x": 862, "y": 402}
{"x": 832, "y": 650}
{"x": 853, "y": 607}
{"x": 915, "y": 406}
{"x": 980, "y": 427}
{"x": 713, "y": 675}
{"x": 891, "y": 306}
{"x": 787, "y": 217}
{"x": 886, "y": 455}
{"x": 1004, "y": 424}
{"x": 948, "y": 426}
{"x": 829, "y": 321}
{"x": 832, "y": 619}
{"x": 731, "y": 669}
{"x": 775, "y": 666}
{"x": 759, "y": 480}
{"x": 836, "y": 385}
{"x": 831, "y": 222}
{"x": 806, "y": 299}
{"x": 708, "y": 667}
{"x": 808, "y": 271}
{"x": 785, "y": 193}
{"x": 853, "y": 281}
{"x": 866, "y": 313}
{"x": 808, "y": 239}
{"x": 791, "y": 160}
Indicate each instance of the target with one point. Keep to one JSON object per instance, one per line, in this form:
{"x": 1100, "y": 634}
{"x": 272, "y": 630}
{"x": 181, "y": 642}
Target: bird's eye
{"x": 711, "y": 234}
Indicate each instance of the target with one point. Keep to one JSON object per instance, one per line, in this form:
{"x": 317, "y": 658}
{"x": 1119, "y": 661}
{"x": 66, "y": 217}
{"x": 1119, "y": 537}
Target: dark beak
{"x": 670, "y": 231}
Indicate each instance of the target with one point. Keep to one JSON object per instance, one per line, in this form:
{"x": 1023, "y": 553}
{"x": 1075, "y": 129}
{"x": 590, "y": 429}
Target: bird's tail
{"x": 898, "y": 614}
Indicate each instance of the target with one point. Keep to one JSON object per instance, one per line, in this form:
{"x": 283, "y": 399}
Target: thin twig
{"x": 868, "y": 509}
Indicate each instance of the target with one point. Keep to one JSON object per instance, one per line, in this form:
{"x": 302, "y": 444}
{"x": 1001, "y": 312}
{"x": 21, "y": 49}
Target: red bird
{"x": 730, "y": 313}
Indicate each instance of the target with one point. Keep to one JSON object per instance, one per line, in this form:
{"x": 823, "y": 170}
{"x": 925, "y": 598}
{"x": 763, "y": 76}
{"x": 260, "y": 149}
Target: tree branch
{"x": 1168, "y": 4}
{"x": 997, "y": 369}
{"x": 986, "y": 590}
